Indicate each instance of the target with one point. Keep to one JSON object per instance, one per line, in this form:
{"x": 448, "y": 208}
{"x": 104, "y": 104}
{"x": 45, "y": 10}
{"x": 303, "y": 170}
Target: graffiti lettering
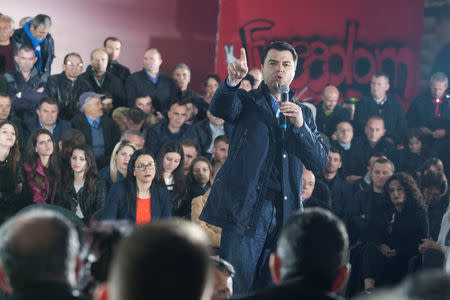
{"x": 347, "y": 64}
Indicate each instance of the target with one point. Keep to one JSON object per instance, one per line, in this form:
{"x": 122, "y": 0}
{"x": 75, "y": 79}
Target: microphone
{"x": 284, "y": 89}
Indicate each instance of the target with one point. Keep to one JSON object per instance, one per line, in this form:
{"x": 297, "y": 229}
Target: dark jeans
{"x": 249, "y": 255}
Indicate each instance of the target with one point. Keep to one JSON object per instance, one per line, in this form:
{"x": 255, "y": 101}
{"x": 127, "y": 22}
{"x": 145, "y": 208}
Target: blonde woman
{"x": 117, "y": 170}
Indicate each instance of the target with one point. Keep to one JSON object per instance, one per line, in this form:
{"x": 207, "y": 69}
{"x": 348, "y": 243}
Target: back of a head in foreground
{"x": 38, "y": 245}
{"x": 313, "y": 245}
{"x": 167, "y": 259}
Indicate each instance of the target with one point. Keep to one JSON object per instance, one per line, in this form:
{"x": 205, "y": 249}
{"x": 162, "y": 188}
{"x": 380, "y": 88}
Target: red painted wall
{"x": 339, "y": 42}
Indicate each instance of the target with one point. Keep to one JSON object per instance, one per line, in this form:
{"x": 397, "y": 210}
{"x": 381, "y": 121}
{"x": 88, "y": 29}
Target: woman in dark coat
{"x": 11, "y": 171}
{"x": 137, "y": 198}
{"x": 395, "y": 232}
{"x": 84, "y": 189}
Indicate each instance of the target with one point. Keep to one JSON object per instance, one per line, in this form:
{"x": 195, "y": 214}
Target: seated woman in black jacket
{"x": 394, "y": 233}
{"x": 138, "y": 199}
{"x": 11, "y": 171}
{"x": 170, "y": 164}
{"x": 84, "y": 190}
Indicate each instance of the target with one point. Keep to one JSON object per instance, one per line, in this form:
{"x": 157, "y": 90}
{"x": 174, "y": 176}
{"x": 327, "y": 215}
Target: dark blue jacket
{"x": 33, "y": 123}
{"x": 237, "y": 193}
{"x": 24, "y": 94}
{"x": 159, "y": 134}
{"x": 116, "y": 206}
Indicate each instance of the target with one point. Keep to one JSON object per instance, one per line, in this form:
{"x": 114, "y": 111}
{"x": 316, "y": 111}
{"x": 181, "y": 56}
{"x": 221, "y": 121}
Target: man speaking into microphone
{"x": 260, "y": 184}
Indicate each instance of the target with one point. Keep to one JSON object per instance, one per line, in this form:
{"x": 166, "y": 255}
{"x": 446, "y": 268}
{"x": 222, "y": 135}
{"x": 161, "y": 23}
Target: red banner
{"x": 342, "y": 43}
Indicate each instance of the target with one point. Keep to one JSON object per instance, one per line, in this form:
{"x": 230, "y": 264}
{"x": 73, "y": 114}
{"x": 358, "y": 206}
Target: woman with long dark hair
{"x": 137, "y": 198}
{"x": 42, "y": 166}
{"x": 84, "y": 189}
{"x": 170, "y": 166}
{"x": 11, "y": 171}
{"x": 199, "y": 177}
{"x": 396, "y": 232}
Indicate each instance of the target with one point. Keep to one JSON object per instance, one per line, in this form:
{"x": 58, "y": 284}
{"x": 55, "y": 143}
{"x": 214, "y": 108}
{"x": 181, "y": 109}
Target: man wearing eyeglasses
{"x": 65, "y": 87}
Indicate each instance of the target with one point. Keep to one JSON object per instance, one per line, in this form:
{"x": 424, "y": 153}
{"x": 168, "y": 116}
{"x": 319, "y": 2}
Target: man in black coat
{"x": 380, "y": 104}
{"x": 150, "y": 81}
{"x": 97, "y": 79}
{"x": 47, "y": 117}
{"x": 363, "y": 147}
{"x": 340, "y": 190}
{"x": 207, "y": 131}
{"x": 38, "y": 256}
{"x": 65, "y": 87}
{"x": 431, "y": 112}
{"x": 172, "y": 128}
{"x": 310, "y": 259}
{"x": 329, "y": 112}
{"x": 35, "y": 34}
{"x": 100, "y": 131}
{"x": 113, "y": 46}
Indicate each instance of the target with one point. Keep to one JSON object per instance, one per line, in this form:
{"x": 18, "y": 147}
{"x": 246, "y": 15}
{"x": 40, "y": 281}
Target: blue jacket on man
{"x": 236, "y": 196}
{"x": 33, "y": 123}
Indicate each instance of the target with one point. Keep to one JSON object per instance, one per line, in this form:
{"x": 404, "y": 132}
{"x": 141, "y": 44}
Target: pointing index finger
{"x": 243, "y": 56}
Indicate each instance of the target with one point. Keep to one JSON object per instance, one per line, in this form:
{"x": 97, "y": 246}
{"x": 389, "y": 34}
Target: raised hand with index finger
{"x": 238, "y": 69}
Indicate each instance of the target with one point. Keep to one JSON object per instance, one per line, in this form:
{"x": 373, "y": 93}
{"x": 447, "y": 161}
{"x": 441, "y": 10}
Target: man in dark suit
{"x": 379, "y": 103}
{"x": 150, "y": 81}
{"x": 310, "y": 260}
{"x": 47, "y": 117}
{"x": 38, "y": 256}
{"x": 100, "y": 131}
{"x": 99, "y": 79}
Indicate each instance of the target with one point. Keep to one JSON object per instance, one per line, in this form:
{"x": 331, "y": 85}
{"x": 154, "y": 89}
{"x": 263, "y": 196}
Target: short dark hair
{"x": 221, "y": 138}
{"x": 336, "y": 150}
{"x": 158, "y": 256}
{"x": 213, "y": 76}
{"x": 313, "y": 244}
{"x": 385, "y": 161}
{"x": 4, "y": 94}
{"x": 136, "y": 115}
{"x": 249, "y": 78}
{"x": 189, "y": 143}
{"x": 180, "y": 102}
{"x": 48, "y": 100}
{"x": 25, "y": 48}
{"x": 72, "y": 54}
{"x": 381, "y": 74}
{"x": 223, "y": 266}
{"x": 434, "y": 180}
{"x": 279, "y": 46}
{"x": 51, "y": 255}
{"x": 113, "y": 39}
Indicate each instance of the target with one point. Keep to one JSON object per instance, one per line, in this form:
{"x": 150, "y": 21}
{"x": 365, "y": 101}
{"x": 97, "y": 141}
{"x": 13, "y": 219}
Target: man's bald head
{"x": 38, "y": 245}
{"x": 330, "y": 97}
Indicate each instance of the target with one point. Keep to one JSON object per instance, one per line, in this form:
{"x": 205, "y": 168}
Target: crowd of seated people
{"x": 108, "y": 144}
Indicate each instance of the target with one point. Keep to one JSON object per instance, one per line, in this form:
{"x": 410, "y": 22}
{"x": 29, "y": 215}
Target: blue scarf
{"x": 37, "y": 48}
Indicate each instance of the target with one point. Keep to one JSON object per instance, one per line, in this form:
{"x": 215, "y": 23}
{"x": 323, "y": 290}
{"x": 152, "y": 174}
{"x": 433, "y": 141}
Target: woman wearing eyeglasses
{"x": 138, "y": 199}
